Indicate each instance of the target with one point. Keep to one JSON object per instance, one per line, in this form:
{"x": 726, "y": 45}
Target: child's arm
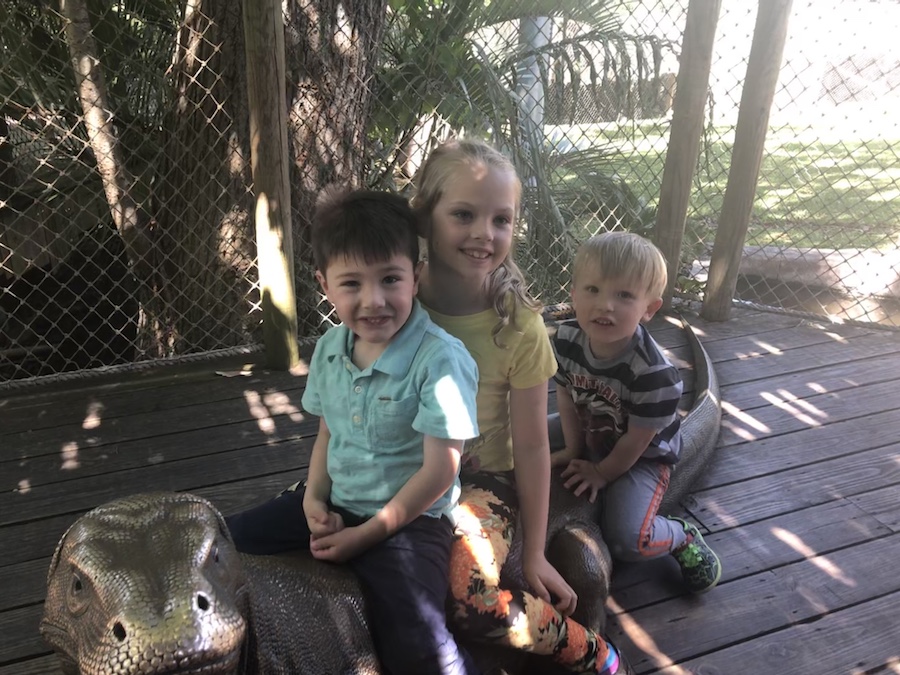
{"x": 424, "y": 488}
{"x": 318, "y": 487}
{"x": 585, "y": 475}
{"x": 571, "y": 428}
{"x": 531, "y": 455}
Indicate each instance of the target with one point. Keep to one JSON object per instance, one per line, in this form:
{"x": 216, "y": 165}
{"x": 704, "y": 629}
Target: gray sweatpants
{"x": 629, "y": 521}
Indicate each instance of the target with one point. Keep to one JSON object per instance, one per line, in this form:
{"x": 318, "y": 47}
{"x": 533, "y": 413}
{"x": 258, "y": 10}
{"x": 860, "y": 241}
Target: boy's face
{"x": 610, "y": 309}
{"x": 373, "y": 300}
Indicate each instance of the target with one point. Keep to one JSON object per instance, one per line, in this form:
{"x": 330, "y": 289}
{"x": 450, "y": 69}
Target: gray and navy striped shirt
{"x": 640, "y": 387}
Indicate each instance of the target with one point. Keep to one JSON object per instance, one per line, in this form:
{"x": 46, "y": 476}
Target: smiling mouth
{"x": 477, "y": 255}
{"x": 375, "y": 320}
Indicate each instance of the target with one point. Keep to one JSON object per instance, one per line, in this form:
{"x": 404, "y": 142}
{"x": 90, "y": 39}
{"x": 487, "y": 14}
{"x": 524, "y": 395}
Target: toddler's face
{"x": 610, "y": 309}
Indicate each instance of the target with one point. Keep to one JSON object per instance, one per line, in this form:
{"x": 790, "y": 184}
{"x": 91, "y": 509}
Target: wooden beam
{"x": 763, "y": 67}
{"x": 264, "y": 49}
{"x": 691, "y": 90}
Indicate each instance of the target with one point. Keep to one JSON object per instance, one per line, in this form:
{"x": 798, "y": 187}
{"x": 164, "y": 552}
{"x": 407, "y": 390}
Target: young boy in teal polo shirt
{"x": 395, "y": 395}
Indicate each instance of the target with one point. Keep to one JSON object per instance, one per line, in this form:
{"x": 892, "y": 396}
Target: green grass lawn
{"x": 816, "y": 188}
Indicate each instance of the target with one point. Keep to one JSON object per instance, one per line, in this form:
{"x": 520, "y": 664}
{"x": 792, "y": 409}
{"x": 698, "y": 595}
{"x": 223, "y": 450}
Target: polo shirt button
{"x": 356, "y": 419}
{"x": 357, "y": 389}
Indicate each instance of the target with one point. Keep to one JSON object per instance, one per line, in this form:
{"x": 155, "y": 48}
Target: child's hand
{"x": 340, "y": 546}
{"x": 584, "y": 475}
{"x": 320, "y": 520}
{"x": 548, "y": 584}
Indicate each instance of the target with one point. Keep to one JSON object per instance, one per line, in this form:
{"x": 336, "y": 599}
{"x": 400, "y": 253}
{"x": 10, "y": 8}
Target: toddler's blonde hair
{"x": 624, "y": 255}
{"x": 507, "y": 289}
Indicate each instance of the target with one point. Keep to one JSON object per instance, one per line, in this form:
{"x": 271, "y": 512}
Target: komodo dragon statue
{"x": 151, "y": 584}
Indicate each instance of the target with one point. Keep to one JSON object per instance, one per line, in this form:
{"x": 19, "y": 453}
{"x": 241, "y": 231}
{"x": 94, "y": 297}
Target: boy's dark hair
{"x": 365, "y": 224}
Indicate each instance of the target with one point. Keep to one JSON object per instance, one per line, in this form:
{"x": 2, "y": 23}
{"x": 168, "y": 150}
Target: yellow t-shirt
{"x": 525, "y": 360}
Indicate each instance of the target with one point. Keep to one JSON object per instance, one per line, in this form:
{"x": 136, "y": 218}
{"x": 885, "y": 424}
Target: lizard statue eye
{"x": 79, "y": 596}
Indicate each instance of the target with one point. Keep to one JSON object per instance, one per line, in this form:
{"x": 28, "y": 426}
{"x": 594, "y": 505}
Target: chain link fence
{"x": 126, "y": 233}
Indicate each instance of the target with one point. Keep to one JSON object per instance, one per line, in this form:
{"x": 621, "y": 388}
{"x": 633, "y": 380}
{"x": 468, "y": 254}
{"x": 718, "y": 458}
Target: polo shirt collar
{"x": 398, "y": 357}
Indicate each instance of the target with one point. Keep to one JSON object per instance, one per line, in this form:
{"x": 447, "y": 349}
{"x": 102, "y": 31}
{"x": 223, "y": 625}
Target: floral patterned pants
{"x": 481, "y": 609}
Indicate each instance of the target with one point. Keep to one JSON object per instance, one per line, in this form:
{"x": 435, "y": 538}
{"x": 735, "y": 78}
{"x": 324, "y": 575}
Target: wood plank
{"x": 883, "y": 505}
{"x": 777, "y": 342}
{"x": 41, "y": 665}
{"x": 24, "y": 583}
{"x": 807, "y": 446}
{"x": 19, "y": 634}
{"x": 784, "y": 415}
{"x": 828, "y": 379}
{"x": 744, "y": 322}
{"x": 76, "y": 463}
{"x": 100, "y": 407}
{"x": 859, "y": 639}
{"x": 205, "y": 415}
{"x": 685, "y": 627}
{"x": 180, "y": 475}
{"x": 796, "y": 360}
{"x": 770, "y": 495}
{"x": 33, "y": 539}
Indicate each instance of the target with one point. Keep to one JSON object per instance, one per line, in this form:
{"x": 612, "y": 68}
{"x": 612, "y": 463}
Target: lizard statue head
{"x": 150, "y": 584}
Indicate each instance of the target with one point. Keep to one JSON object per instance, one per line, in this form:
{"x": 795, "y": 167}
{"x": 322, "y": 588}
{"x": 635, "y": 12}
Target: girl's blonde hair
{"x": 624, "y": 255}
{"x": 507, "y": 289}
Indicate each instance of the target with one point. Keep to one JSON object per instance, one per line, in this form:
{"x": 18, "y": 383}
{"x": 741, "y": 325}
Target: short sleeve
{"x": 534, "y": 361}
{"x": 448, "y": 388}
{"x": 311, "y": 400}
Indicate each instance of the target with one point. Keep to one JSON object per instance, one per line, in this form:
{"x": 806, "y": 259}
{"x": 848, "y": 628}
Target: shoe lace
{"x": 690, "y": 555}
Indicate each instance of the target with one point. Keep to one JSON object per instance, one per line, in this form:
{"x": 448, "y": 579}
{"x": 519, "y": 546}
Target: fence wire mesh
{"x": 126, "y": 230}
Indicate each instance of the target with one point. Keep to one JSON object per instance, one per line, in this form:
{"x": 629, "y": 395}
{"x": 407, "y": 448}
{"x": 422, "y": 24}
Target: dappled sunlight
{"x": 24, "y": 486}
{"x": 93, "y": 417}
{"x": 801, "y": 410}
{"x": 69, "y": 456}
{"x": 737, "y": 421}
{"x": 674, "y": 321}
{"x": 264, "y": 407}
{"x": 825, "y": 565}
{"x": 642, "y": 639}
{"x": 771, "y": 349}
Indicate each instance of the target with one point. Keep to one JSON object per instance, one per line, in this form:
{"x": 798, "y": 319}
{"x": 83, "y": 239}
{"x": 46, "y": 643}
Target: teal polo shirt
{"x": 425, "y": 382}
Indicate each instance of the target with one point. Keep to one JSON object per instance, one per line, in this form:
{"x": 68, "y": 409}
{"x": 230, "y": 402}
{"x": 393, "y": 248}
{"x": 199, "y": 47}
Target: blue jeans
{"x": 405, "y": 579}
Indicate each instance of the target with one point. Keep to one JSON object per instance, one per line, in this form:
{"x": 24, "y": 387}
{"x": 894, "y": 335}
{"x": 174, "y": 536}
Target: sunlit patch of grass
{"x": 817, "y": 187}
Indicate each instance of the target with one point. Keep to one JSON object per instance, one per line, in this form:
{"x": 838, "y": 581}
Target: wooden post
{"x": 264, "y": 38}
{"x": 691, "y": 91}
{"x": 766, "y": 52}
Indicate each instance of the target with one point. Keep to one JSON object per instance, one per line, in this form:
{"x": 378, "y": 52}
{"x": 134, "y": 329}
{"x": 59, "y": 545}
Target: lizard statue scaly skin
{"x": 151, "y": 584}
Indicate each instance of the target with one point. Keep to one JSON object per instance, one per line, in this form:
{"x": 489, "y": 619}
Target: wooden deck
{"x": 802, "y": 500}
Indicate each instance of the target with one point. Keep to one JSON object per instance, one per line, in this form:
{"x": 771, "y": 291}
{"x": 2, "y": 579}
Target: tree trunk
{"x": 204, "y": 202}
{"x": 331, "y": 55}
{"x": 131, "y": 221}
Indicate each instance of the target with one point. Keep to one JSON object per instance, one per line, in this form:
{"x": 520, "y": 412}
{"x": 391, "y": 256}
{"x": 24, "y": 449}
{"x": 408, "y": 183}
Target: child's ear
{"x": 323, "y": 282}
{"x": 652, "y": 309}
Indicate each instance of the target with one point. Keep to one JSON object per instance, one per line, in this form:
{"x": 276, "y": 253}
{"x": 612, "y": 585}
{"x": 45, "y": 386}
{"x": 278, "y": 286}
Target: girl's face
{"x": 472, "y": 223}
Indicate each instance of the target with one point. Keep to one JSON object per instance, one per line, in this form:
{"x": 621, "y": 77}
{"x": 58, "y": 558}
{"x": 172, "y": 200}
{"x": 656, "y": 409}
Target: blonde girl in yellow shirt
{"x": 468, "y": 199}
